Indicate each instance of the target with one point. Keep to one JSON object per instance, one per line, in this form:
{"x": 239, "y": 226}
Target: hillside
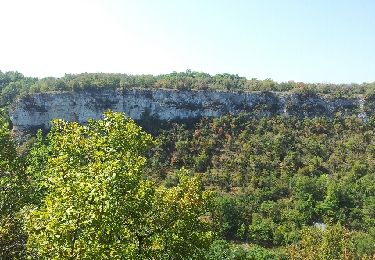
{"x": 222, "y": 170}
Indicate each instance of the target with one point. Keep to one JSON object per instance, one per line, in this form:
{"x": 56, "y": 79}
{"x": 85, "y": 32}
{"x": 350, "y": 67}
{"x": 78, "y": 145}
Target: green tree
{"x": 98, "y": 205}
{"x": 334, "y": 242}
{"x": 13, "y": 195}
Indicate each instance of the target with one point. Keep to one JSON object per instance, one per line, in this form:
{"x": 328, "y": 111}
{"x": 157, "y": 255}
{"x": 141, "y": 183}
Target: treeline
{"x": 14, "y": 84}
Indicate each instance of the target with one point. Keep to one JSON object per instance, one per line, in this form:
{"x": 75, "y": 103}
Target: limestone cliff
{"x": 37, "y": 110}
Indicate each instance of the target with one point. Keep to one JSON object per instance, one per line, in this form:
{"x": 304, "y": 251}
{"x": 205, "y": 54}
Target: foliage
{"x": 222, "y": 250}
{"x": 13, "y": 196}
{"x": 333, "y": 242}
{"x": 98, "y": 205}
{"x": 275, "y": 176}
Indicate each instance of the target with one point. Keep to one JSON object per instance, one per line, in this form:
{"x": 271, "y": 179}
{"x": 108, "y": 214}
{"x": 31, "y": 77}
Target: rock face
{"x": 36, "y": 111}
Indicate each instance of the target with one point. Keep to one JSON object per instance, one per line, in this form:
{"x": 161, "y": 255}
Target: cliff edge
{"x": 37, "y": 110}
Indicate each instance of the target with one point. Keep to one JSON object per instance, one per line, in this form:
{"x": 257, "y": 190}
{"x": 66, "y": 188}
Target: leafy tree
{"x": 98, "y": 205}
{"x": 222, "y": 250}
{"x": 219, "y": 250}
{"x": 13, "y": 196}
{"x": 334, "y": 242}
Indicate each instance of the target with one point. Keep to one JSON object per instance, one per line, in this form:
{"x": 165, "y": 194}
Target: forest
{"x": 233, "y": 187}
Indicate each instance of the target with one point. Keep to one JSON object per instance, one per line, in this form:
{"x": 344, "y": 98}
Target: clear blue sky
{"x": 301, "y": 40}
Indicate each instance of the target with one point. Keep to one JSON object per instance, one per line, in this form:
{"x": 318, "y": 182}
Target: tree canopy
{"x": 98, "y": 205}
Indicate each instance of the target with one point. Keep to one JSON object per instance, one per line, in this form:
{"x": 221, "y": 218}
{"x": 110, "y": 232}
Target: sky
{"x": 330, "y": 41}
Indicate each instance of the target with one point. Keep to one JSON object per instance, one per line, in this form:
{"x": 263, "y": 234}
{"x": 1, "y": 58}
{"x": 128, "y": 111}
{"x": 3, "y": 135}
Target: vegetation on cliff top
{"x": 14, "y": 84}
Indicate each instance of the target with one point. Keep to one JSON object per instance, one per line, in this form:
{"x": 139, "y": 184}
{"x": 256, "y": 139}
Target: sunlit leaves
{"x": 97, "y": 203}
{"x": 13, "y": 196}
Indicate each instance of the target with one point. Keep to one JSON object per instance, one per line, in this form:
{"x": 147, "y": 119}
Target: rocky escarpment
{"x": 37, "y": 110}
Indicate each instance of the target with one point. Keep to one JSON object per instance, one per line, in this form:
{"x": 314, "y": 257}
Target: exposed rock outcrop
{"x": 37, "y": 110}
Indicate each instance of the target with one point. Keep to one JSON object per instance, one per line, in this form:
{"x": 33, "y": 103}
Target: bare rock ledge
{"x": 37, "y": 110}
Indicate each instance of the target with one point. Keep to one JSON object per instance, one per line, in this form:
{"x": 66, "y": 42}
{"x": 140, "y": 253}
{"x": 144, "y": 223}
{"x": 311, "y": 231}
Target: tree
{"x": 334, "y": 242}
{"x": 98, "y": 205}
{"x": 13, "y": 195}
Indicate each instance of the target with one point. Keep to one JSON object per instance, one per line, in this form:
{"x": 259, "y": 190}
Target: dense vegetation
{"x": 275, "y": 187}
{"x": 278, "y": 176}
{"x": 234, "y": 187}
